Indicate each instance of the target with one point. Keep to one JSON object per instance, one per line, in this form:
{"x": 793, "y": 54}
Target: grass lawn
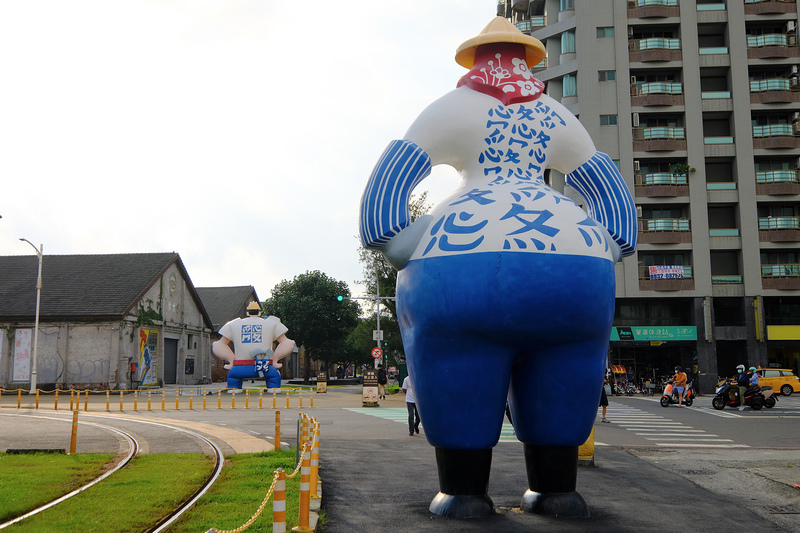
{"x": 135, "y": 497}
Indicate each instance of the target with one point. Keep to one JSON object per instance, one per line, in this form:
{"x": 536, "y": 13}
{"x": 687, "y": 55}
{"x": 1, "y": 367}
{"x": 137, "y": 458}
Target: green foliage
{"x": 308, "y": 306}
{"x": 681, "y": 168}
{"x": 30, "y": 480}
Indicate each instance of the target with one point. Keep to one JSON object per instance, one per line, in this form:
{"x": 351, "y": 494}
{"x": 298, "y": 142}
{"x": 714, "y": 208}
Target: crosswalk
{"x": 659, "y": 430}
{"x": 401, "y": 415}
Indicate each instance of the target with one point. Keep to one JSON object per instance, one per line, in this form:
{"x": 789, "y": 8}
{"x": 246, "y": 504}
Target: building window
{"x": 569, "y": 85}
{"x": 608, "y": 120}
{"x": 606, "y": 75}
{"x": 567, "y": 4}
{"x": 605, "y": 32}
{"x": 568, "y": 42}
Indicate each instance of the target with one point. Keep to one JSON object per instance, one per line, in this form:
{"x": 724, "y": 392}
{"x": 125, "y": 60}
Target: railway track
{"x": 133, "y": 448}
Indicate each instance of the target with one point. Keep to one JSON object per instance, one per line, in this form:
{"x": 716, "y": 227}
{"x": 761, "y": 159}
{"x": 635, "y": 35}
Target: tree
{"x": 316, "y": 319}
{"x": 379, "y": 274}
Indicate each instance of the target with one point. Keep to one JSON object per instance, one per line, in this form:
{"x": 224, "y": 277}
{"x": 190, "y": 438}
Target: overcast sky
{"x": 238, "y": 133}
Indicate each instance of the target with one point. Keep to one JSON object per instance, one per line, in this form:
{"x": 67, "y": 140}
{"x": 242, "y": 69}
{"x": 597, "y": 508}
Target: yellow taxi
{"x": 780, "y": 379}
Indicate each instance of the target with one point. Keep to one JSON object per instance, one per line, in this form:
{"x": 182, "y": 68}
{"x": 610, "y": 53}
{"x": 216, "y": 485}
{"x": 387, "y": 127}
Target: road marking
{"x": 398, "y": 414}
{"x": 666, "y": 432}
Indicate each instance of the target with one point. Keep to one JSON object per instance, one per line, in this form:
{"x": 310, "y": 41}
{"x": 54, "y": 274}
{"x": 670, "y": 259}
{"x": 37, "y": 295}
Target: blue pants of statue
{"x": 483, "y": 329}
{"x": 241, "y": 372}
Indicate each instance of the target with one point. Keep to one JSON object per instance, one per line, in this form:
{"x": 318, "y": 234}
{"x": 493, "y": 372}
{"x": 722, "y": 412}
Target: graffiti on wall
{"x": 85, "y": 371}
{"x": 148, "y": 356}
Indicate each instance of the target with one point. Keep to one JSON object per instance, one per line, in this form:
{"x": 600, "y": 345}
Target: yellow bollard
{"x": 279, "y": 502}
{"x": 304, "y": 434}
{"x": 86, "y": 401}
{"x": 305, "y": 504}
{"x": 191, "y": 394}
{"x": 19, "y": 398}
{"x": 233, "y": 399}
{"x": 586, "y": 451}
{"x": 277, "y": 444}
{"x": 204, "y": 399}
{"x": 163, "y": 400}
{"x": 312, "y": 399}
{"x": 314, "y": 462}
{"x": 55, "y": 402}
{"x": 108, "y": 400}
{"x": 260, "y": 399}
{"x": 287, "y": 399}
{"x": 73, "y": 440}
{"x": 37, "y": 398}
{"x": 71, "y": 398}
{"x": 149, "y": 398}
{"x": 177, "y": 399}
{"x": 219, "y": 399}
{"x": 301, "y": 399}
{"x": 274, "y": 398}
{"x": 247, "y": 399}
{"x": 120, "y": 400}
{"x": 136, "y": 400}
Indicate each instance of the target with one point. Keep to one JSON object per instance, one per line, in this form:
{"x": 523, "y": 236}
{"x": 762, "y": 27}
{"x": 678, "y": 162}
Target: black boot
{"x": 463, "y": 483}
{"x": 552, "y": 476}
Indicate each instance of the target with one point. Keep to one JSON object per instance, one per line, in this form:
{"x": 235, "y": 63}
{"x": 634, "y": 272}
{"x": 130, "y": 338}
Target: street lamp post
{"x": 36, "y": 323}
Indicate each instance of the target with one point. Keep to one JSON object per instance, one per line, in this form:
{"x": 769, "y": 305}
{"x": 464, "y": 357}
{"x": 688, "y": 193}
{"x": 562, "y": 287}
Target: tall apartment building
{"x": 699, "y": 105}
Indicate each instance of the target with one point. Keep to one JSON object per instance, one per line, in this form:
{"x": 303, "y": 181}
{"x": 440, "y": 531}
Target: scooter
{"x": 726, "y": 395}
{"x": 671, "y": 398}
{"x": 770, "y": 398}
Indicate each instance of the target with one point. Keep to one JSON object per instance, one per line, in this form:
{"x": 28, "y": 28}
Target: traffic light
{"x": 340, "y": 297}
{"x": 385, "y": 343}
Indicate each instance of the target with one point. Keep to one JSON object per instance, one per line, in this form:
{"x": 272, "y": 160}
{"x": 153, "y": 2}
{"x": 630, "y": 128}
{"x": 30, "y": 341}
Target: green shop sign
{"x": 654, "y": 333}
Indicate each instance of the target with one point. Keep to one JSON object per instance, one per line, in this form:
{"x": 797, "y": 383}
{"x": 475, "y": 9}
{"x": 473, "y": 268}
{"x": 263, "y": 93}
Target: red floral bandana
{"x": 500, "y": 71}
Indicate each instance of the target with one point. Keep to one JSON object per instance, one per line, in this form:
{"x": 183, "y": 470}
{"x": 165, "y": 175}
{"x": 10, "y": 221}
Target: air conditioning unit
{"x": 636, "y": 165}
{"x": 796, "y": 116}
{"x": 630, "y": 32}
{"x": 797, "y": 163}
{"x": 639, "y": 211}
{"x": 633, "y": 80}
{"x": 790, "y": 26}
{"x": 635, "y": 120}
{"x": 794, "y": 83}
{"x": 793, "y": 71}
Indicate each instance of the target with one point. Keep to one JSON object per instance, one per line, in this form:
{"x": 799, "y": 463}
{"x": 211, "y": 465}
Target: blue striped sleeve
{"x": 384, "y": 204}
{"x": 608, "y": 199}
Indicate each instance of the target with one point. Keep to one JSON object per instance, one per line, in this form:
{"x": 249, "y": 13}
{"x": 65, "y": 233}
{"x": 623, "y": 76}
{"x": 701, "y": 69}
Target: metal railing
{"x": 778, "y": 223}
{"x": 656, "y": 87}
{"x": 775, "y": 130}
{"x": 653, "y": 43}
{"x": 786, "y": 270}
{"x": 664, "y": 224}
{"x": 659, "y": 133}
{"x": 660, "y": 178}
{"x": 778, "y": 176}
{"x": 771, "y": 39}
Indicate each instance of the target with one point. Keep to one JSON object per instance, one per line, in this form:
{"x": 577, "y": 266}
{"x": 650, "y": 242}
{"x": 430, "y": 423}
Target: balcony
{"x": 666, "y": 278}
{"x": 781, "y": 276}
{"x": 779, "y": 229}
{"x": 769, "y": 7}
{"x": 775, "y": 91}
{"x": 532, "y": 24}
{"x": 654, "y": 49}
{"x": 772, "y": 45}
{"x": 778, "y": 182}
{"x": 661, "y": 184}
{"x": 659, "y": 139}
{"x": 643, "y": 9}
{"x": 664, "y": 230}
{"x": 774, "y": 136}
{"x": 656, "y": 93}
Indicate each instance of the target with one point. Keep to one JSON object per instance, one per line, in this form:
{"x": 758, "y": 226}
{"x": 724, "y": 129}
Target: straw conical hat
{"x": 500, "y": 30}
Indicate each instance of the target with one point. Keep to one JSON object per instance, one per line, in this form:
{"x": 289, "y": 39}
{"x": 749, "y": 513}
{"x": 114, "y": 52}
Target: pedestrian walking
{"x": 411, "y": 405}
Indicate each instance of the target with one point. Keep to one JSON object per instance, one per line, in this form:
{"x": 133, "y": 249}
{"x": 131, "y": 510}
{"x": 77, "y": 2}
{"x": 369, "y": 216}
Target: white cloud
{"x": 238, "y": 133}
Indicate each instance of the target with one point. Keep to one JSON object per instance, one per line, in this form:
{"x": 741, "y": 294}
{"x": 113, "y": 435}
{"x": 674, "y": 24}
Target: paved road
{"x": 653, "y": 463}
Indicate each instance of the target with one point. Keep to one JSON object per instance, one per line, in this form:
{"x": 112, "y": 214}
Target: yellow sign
{"x": 783, "y": 333}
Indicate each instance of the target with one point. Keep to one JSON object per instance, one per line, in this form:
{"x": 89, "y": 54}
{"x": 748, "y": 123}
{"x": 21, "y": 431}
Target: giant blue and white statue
{"x": 507, "y": 281}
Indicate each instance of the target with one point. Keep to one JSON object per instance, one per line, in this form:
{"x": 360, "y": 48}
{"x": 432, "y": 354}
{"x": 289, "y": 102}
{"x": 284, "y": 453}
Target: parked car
{"x": 780, "y": 379}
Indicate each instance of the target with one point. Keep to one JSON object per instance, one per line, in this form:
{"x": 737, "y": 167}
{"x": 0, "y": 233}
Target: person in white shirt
{"x": 411, "y": 405}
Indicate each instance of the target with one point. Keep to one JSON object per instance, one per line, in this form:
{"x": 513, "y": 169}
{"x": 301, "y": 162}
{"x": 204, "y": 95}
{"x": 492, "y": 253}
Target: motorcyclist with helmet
{"x": 753, "y": 377}
{"x": 679, "y": 383}
{"x": 743, "y": 382}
